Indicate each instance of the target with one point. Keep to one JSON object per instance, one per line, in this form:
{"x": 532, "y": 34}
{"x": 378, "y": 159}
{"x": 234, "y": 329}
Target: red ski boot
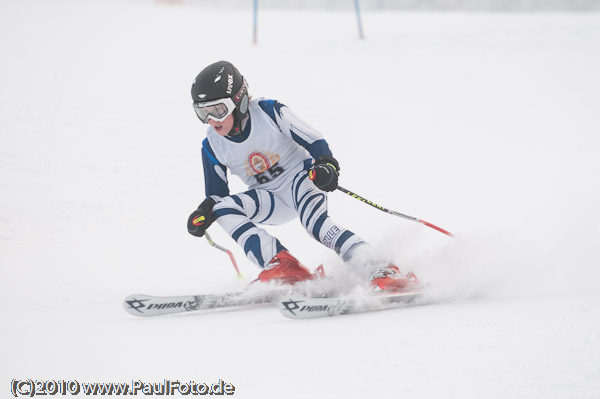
{"x": 285, "y": 269}
{"x": 390, "y": 280}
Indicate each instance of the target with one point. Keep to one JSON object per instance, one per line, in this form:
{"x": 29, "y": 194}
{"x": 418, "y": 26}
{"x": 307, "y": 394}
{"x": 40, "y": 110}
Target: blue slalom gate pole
{"x": 360, "y": 29}
{"x": 255, "y": 28}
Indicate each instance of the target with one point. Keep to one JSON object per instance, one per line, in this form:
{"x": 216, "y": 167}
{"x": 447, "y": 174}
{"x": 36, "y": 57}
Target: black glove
{"x": 201, "y": 218}
{"x": 324, "y": 173}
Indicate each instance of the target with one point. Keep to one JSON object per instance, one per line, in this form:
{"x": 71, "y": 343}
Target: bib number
{"x": 269, "y": 174}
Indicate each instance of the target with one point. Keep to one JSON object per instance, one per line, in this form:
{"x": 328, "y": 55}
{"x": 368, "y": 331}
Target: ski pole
{"x": 228, "y": 252}
{"x": 381, "y": 208}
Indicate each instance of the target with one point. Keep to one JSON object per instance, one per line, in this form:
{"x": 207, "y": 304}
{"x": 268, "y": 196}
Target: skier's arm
{"x": 325, "y": 171}
{"x": 215, "y": 182}
{"x": 215, "y": 174}
{"x": 295, "y": 128}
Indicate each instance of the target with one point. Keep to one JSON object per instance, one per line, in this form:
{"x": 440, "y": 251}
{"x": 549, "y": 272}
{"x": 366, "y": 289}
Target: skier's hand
{"x": 201, "y": 218}
{"x": 324, "y": 173}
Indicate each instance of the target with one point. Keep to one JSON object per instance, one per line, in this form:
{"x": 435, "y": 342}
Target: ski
{"x": 148, "y": 305}
{"x": 303, "y": 307}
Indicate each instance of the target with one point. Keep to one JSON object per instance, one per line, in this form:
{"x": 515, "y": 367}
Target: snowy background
{"x": 485, "y": 124}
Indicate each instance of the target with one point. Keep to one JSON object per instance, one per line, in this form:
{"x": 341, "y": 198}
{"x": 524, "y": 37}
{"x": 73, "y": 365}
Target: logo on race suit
{"x": 259, "y": 162}
{"x": 330, "y": 236}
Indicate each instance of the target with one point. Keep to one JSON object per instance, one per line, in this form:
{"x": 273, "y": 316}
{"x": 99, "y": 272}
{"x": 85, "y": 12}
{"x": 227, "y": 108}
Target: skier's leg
{"x": 310, "y": 204}
{"x": 237, "y": 215}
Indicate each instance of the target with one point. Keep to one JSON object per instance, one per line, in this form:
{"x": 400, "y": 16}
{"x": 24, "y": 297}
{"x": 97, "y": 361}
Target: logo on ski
{"x": 193, "y": 304}
{"x": 291, "y": 305}
{"x": 136, "y": 304}
{"x": 316, "y": 308}
{"x": 165, "y": 305}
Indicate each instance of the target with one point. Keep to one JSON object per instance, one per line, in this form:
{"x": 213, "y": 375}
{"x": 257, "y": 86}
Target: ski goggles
{"x": 216, "y": 110}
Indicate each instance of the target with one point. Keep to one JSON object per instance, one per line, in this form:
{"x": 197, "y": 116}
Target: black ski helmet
{"x": 222, "y": 80}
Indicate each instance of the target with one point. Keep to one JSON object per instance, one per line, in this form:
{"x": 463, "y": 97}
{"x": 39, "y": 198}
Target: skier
{"x": 288, "y": 168}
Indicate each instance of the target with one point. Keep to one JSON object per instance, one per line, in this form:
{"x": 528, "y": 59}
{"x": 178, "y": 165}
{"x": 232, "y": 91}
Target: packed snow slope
{"x": 484, "y": 124}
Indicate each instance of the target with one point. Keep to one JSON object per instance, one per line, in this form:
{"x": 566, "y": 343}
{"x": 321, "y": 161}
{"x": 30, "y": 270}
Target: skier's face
{"x": 222, "y": 128}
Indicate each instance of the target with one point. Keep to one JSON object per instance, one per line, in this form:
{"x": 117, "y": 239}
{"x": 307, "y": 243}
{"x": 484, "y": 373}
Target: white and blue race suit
{"x": 272, "y": 156}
